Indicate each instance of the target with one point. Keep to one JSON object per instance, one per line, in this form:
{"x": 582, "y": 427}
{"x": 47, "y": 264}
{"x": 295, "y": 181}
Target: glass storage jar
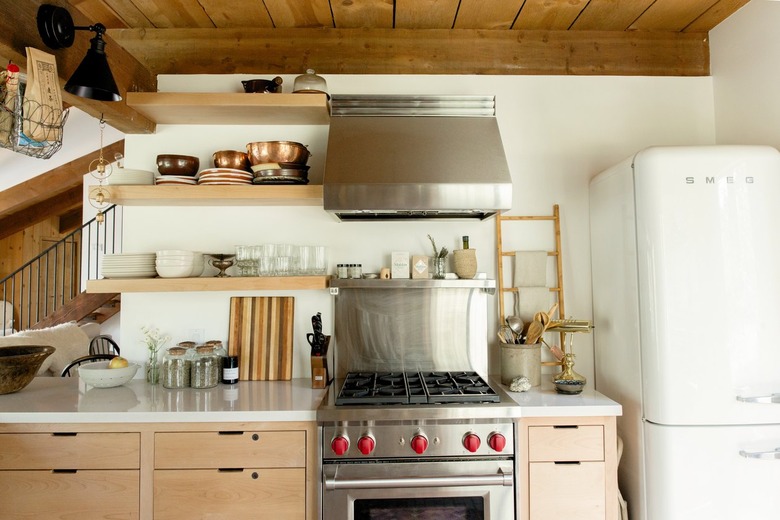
{"x": 176, "y": 368}
{"x": 205, "y": 368}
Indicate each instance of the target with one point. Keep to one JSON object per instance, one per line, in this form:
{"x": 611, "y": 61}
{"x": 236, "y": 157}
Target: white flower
{"x": 154, "y": 341}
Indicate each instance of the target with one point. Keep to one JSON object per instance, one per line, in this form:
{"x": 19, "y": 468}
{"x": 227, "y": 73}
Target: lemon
{"x": 117, "y": 362}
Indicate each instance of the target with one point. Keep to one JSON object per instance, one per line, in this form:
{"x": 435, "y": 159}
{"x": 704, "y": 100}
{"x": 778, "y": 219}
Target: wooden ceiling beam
{"x": 18, "y": 30}
{"x": 30, "y": 215}
{"x": 419, "y": 51}
{"x": 50, "y": 184}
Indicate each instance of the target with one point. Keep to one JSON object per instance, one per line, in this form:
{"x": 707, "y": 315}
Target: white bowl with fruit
{"x": 108, "y": 374}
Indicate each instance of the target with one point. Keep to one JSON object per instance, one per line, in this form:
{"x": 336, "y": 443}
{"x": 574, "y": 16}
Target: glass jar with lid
{"x": 220, "y": 351}
{"x": 176, "y": 368}
{"x": 205, "y": 368}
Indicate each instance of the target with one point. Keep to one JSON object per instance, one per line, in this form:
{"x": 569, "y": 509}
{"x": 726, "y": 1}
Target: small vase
{"x": 438, "y": 267}
{"x": 152, "y": 372}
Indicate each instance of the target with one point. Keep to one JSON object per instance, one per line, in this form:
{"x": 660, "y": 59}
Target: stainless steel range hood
{"x": 415, "y": 157}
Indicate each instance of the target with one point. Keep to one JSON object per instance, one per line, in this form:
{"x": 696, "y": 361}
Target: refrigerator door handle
{"x": 774, "y": 454}
{"x": 766, "y": 399}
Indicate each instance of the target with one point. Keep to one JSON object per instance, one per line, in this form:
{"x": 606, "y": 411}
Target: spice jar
{"x": 205, "y": 368}
{"x": 176, "y": 368}
{"x": 220, "y": 351}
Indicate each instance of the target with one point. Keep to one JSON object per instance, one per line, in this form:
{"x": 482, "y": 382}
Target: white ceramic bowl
{"x": 174, "y": 262}
{"x": 177, "y": 252}
{"x": 178, "y": 271}
{"x": 98, "y": 374}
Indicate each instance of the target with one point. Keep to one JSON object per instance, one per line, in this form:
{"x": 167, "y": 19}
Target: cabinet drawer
{"x": 273, "y": 449}
{"x": 278, "y": 494}
{"x": 83, "y": 494}
{"x": 567, "y": 490}
{"x": 69, "y": 451}
{"x": 579, "y": 443}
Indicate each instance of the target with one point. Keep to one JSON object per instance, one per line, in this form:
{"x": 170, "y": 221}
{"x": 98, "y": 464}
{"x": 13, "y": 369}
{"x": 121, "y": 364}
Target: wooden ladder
{"x": 501, "y": 254}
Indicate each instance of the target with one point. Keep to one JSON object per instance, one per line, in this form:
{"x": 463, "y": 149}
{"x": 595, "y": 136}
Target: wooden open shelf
{"x": 231, "y": 108}
{"x": 202, "y": 283}
{"x": 216, "y": 195}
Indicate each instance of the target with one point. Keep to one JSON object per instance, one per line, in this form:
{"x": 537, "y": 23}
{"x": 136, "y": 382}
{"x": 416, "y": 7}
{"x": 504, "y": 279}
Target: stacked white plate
{"x": 175, "y": 263}
{"x": 224, "y": 176}
{"x": 123, "y": 176}
{"x": 175, "y": 179}
{"x": 128, "y": 265}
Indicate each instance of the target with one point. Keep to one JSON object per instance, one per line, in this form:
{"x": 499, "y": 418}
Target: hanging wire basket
{"x": 31, "y": 128}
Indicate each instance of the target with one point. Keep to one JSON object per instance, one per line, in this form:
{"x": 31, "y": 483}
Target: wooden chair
{"x": 91, "y": 358}
{"x": 103, "y": 345}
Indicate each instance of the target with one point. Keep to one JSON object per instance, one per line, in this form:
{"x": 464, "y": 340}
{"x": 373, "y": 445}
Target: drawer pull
{"x": 255, "y": 476}
{"x": 255, "y": 437}
{"x": 64, "y": 470}
{"x": 231, "y": 433}
{"x": 230, "y": 470}
{"x": 568, "y": 462}
{"x": 64, "y": 434}
{"x": 567, "y": 426}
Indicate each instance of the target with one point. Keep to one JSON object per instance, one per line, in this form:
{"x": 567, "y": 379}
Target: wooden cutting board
{"x": 261, "y": 335}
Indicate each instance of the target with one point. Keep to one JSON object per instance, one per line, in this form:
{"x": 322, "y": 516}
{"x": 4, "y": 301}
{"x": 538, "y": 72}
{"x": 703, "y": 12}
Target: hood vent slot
{"x": 415, "y": 157}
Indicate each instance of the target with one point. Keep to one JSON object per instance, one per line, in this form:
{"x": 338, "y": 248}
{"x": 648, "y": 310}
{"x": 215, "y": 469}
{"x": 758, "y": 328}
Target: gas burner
{"x": 384, "y": 388}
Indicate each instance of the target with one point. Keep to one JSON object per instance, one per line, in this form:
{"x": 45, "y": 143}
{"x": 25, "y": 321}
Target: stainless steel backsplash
{"x": 410, "y": 329}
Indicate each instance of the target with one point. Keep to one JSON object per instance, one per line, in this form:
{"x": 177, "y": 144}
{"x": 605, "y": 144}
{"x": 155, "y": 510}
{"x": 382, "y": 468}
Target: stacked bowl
{"x": 175, "y": 263}
{"x": 128, "y": 265}
{"x": 278, "y": 162}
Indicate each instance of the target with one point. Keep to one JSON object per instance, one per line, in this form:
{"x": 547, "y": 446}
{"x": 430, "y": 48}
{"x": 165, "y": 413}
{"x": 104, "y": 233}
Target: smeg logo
{"x": 714, "y": 180}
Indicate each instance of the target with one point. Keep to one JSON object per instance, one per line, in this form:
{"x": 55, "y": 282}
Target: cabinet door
{"x": 258, "y": 449}
{"x": 83, "y": 494}
{"x": 277, "y": 494}
{"x": 567, "y": 490}
{"x": 69, "y": 451}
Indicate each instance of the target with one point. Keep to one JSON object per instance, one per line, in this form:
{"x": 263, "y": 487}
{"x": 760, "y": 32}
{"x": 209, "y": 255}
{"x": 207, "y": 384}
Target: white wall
{"x": 558, "y": 133}
{"x": 744, "y": 52}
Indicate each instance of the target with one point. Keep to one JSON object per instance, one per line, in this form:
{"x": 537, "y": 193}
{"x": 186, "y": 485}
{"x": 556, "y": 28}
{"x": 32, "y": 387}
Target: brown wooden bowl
{"x": 18, "y": 365}
{"x": 170, "y": 164}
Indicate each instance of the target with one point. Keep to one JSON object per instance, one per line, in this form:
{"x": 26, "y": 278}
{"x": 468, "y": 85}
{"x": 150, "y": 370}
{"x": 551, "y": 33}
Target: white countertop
{"x": 68, "y": 400}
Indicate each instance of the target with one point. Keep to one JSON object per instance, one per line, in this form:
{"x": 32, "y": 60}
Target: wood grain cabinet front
{"x": 230, "y": 474}
{"x": 567, "y": 468}
{"x": 70, "y": 475}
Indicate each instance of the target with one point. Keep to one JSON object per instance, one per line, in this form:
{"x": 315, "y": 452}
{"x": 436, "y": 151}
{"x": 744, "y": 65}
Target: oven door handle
{"x": 502, "y": 478}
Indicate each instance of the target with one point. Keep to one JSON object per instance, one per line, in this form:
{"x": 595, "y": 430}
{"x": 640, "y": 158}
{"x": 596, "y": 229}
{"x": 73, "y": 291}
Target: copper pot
{"x": 231, "y": 159}
{"x": 263, "y": 152}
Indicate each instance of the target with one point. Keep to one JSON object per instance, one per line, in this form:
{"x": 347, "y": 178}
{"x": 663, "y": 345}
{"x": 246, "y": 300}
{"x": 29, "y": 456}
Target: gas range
{"x": 382, "y": 388}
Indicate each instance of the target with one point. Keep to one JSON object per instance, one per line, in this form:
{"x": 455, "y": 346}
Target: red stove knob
{"x": 497, "y": 441}
{"x": 366, "y": 444}
{"x": 419, "y": 443}
{"x": 471, "y": 442}
{"x": 339, "y": 445}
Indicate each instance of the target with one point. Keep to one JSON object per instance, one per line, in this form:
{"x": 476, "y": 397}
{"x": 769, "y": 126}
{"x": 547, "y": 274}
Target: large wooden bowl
{"x": 18, "y": 365}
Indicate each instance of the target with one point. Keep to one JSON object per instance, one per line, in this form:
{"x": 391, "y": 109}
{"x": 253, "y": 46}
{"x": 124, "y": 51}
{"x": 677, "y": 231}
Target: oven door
{"x": 452, "y": 490}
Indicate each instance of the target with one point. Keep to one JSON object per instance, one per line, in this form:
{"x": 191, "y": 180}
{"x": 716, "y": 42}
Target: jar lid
{"x": 177, "y": 351}
{"x": 204, "y": 349}
{"x": 213, "y": 343}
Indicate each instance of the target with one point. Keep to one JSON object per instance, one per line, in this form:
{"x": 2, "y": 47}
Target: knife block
{"x": 320, "y": 375}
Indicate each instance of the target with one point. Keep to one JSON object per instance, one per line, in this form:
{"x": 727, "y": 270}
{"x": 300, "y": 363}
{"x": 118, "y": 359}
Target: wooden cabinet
{"x": 159, "y": 471}
{"x": 64, "y": 475}
{"x": 567, "y": 468}
{"x": 230, "y": 474}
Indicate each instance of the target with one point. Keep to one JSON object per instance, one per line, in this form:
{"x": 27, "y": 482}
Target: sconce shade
{"x": 93, "y": 79}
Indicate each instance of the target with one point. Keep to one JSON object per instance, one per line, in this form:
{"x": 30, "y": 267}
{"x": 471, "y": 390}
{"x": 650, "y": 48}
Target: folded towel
{"x": 531, "y": 300}
{"x": 530, "y": 269}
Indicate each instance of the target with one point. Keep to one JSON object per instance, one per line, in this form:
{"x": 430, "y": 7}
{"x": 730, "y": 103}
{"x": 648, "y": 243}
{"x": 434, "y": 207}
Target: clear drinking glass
{"x": 266, "y": 265}
{"x": 282, "y": 266}
{"x": 319, "y": 260}
{"x": 306, "y": 258}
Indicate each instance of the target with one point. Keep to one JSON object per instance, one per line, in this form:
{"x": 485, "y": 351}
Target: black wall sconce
{"x": 92, "y": 79}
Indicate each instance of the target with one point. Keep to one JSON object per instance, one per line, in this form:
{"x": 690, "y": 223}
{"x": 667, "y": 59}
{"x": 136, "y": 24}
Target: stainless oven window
{"x": 453, "y": 508}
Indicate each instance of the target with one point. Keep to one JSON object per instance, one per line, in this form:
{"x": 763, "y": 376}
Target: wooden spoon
{"x": 535, "y": 330}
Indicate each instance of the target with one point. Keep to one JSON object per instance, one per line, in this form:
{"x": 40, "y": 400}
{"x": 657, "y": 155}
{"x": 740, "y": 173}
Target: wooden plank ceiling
{"x": 598, "y": 37}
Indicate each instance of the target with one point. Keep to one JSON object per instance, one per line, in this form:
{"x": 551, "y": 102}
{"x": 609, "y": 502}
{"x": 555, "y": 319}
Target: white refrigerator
{"x": 686, "y": 297}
